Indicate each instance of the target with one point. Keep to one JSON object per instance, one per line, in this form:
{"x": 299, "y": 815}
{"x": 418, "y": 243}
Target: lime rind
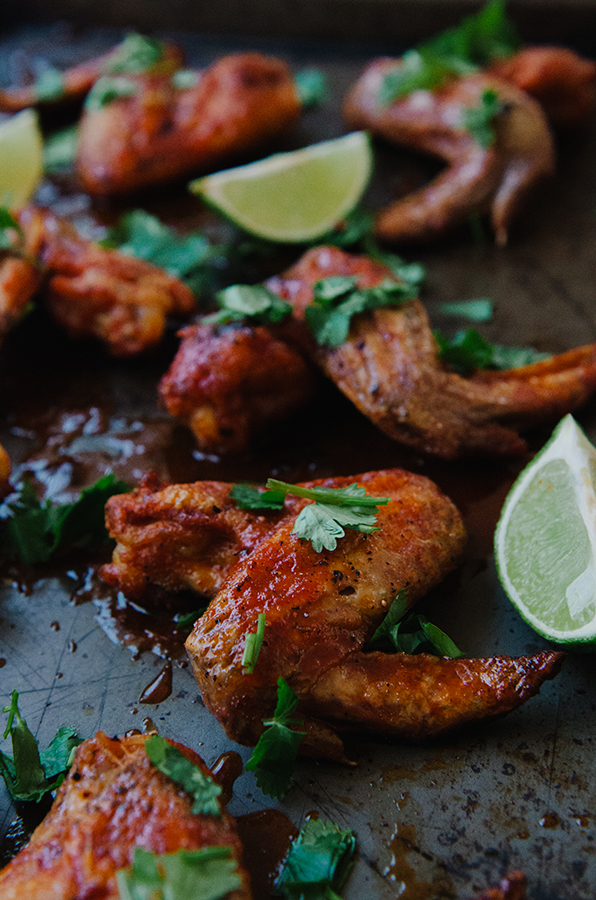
{"x": 293, "y": 197}
{"x": 545, "y": 541}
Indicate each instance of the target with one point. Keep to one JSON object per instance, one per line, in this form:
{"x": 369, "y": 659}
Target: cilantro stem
{"x": 325, "y": 495}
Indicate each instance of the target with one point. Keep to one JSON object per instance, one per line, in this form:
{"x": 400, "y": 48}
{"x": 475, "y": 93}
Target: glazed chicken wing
{"x": 160, "y": 132}
{"x": 479, "y": 178}
{"x": 388, "y": 367}
{"x": 113, "y": 801}
{"x": 228, "y": 382}
{"x": 320, "y": 611}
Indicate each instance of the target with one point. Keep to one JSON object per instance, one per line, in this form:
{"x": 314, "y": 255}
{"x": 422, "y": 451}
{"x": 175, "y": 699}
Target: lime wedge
{"x": 21, "y": 158}
{"x": 545, "y": 543}
{"x": 293, "y": 197}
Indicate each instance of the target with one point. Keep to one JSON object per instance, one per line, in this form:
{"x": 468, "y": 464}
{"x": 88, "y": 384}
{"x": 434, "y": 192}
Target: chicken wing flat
{"x": 228, "y": 382}
{"x": 75, "y": 83}
{"x": 113, "y": 801}
{"x": 320, "y": 611}
{"x": 160, "y": 132}
{"x": 182, "y": 537}
{"x": 512, "y": 887}
{"x": 481, "y": 177}
{"x": 388, "y": 367}
{"x": 91, "y": 291}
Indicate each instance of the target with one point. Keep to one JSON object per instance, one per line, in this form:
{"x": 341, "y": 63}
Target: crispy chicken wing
{"x": 162, "y": 132}
{"x": 77, "y": 81}
{"x": 478, "y": 179}
{"x": 389, "y": 369}
{"x": 182, "y": 536}
{"x": 321, "y": 609}
{"x": 228, "y": 382}
{"x": 512, "y": 887}
{"x": 563, "y": 82}
{"x": 112, "y": 801}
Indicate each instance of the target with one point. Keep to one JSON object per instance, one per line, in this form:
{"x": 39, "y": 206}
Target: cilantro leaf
{"x": 318, "y": 862}
{"x": 274, "y": 756}
{"x": 184, "y": 79}
{"x": 245, "y": 301}
{"x": 137, "y": 53}
{"x": 207, "y": 874}
{"x": 311, "y": 86}
{"x": 60, "y": 150}
{"x": 249, "y": 497}
{"x": 468, "y": 351}
{"x": 411, "y": 634}
{"x": 107, "y": 89}
{"x": 419, "y": 70}
{"x": 479, "y": 120}
{"x": 11, "y": 233}
{"x": 171, "y": 762}
{"x": 187, "y": 620}
{"x": 35, "y": 532}
{"x": 479, "y": 310}
{"x": 337, "y": 298}
{"x": 29, "y": 775}
{"x": 252, "y": 647}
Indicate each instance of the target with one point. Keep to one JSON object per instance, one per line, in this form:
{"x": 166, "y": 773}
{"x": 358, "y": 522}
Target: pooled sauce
{"x": 266, "y": 837}
{"x": 226, "y": 769}
{"x": 160, "y": 688}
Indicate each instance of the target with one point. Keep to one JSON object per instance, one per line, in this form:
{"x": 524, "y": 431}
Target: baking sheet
{"x": 441, "y": 820}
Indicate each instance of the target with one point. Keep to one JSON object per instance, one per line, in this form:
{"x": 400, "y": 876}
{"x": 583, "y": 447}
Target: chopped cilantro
{"x": 411, "y": 634}
{"x": 470, "y": 45}
{"x": 107, "y": 89}
{"x": 35, "y": 532}
{"x": 187, "y": 620}
{"x": 245, "y": 301}
{"x": 337, "y": 298}
{"x": 60, "y": 150}
{"x": 49, "y": 85}
{"x": 249, "y": 497}
{"x": 468, "y": 351}
{"x": 479, "y": 120}
{"x": 311, "y": 86}
{"x": 479, "y": 310}
{"x": 318, "y": 862}
{"x": 137, "y": 53}
{"x": 207, "y": 874}
{"x": 29, "y": 775}
{"x": 334, "y": 509}
{"x": 274, "y": 756}
{"x": 171, "y": 762}
{"x": 252, "y": 647}
{"x": 184, "y": 79}
{"x": 186, "y": 257}
{"x": 11, "y": 233}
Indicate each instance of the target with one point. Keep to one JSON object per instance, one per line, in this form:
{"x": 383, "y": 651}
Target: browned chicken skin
{"x": 112, "y": 801}
{"x": 389, "y": 369}
{"x": 91, "y": 291}
{"x": 477, "y": 179}
{"x": 322, "y": 608}
{"x": 163, "y": 132}
{"x": 228, "y": 382}
{"x": 512, "y": 887}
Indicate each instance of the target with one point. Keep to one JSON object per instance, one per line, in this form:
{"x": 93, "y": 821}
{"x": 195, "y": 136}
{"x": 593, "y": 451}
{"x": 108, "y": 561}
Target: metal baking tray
{"x": 441, "y": 820}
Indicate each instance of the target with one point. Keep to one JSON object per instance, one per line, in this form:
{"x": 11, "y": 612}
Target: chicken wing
{"x": 388, "y": 367}
{"x": 182, "y": 537}
{"x": 113, "y": 801}
{"x": 75, "y": 83}
{"x": 228, "y": 382}
{"x": 20, "y": 274}
{"x": 160, "y": 132}
{"x": 480, "y": 177}
{"x": 563, "y": 82}
{"x": 320, "y": 611}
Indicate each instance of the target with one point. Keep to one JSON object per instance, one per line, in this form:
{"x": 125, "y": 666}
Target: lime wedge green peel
{"x": 545, "y": 543}
{"x": 293, "y": 197}
{"x": 21, "y": 158}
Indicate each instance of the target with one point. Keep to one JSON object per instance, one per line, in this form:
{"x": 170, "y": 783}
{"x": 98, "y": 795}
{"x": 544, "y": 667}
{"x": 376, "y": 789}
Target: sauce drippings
{"x": 226, "y": 769}
{"x": 266, "y": 837}
{"x": 160, "y": 688}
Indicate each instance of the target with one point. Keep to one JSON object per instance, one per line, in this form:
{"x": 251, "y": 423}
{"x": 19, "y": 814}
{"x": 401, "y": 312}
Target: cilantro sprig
{"x": 171, "y": 762}
{"x": 478, "y": 310}
{"x": 479, "y": 38}
{"x": 34, "y": 531}
{"x": 249, "y": 497}
{"x": 11, "y": 233}
{"x": 107, "y": 89}
{"x": 252, "y": 646}
{"x": 318, "y": 862}
{"x": 412, "y": 633}
{"x": 28, "y": 774}
{"x": 193, "y": 874}
{"x": 248, "y": 301}
{"x": 136, "y": 54}
{"x": 479, "y": 120}
{"x": 60, "y": 150}
{"x": 311, "y": 86}
{"x": 468, "y": 351}
{"x": 49, "y": 85}
{"x": 273, "y": 758}
{"x": 338, "y": 298}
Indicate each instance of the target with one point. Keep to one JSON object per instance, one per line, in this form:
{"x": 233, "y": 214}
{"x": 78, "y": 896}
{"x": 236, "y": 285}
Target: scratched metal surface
{"x": 438, "y": 821}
